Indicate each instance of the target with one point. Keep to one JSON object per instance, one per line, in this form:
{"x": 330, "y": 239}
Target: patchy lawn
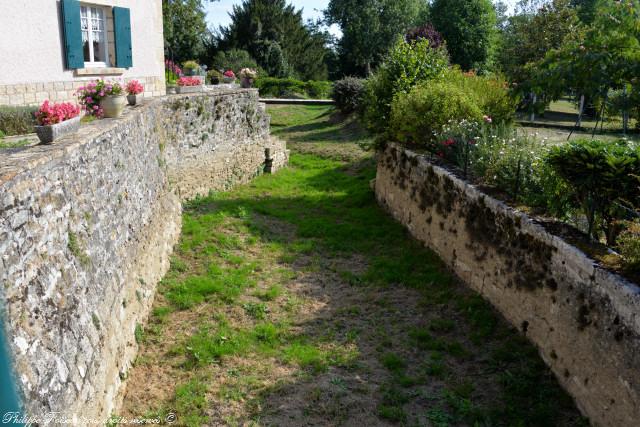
{"x": 296, "y": 300}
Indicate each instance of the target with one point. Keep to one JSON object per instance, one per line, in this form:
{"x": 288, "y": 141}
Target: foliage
{"x": 527, "y": 38}
{"x": 283, "y": 88}
{"x": 407, "y": 65}
{"x": 369, "y": 29}
{"x": 53, "y": 113}
{"x": 491, "y": 92}
{"x": 274, "y": 33}
{"x": 16, "y": 120}
{"x": 629, "y": 245}
{"x": 594, "y": 59}
{"x": 347, "y": 93}
{"x": 184, "y": 27}
{"x": 601, "y": 177}
{"x": 468, "y": 27}
{"x": 425, "y": 32}
{"x": 233, "y": 59}
{"x": 419, "y": 116}
{"x": 171, "y": 72}
{"x": 191, "y": 68}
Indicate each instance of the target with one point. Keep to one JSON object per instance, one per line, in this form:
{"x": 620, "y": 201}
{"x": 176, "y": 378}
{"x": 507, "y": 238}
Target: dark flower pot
{"x": 246, "y": 82}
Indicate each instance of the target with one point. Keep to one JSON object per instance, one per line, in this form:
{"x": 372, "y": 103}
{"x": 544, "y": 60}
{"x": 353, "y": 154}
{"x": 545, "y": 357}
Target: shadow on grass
{"x": 397, "y": 339}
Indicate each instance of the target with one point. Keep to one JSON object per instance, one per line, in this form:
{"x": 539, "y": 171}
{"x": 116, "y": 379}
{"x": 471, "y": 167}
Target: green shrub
{"x": 17, "y": 120}
{"x": 419, "y": 116}
{"x": 407, "y": 65}
{"x": 492, "y": 93}
{"x": 292, "y": 88}
{"x": 602, "y": 177}
{"x": 347, "y": 94}
{"x": 318, "y": 89}
{"x": 629, "y": 246}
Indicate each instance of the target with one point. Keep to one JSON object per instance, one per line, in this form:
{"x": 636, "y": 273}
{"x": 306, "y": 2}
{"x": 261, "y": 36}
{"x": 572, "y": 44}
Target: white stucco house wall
{"x": 49, "y": 48}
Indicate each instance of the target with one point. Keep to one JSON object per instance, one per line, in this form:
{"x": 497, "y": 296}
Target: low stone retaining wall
{"x": 584, "y": 320}
{"x": 86, "y": 229}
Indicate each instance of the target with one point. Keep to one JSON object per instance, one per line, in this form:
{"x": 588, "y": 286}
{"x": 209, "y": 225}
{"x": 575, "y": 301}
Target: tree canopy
{"x": 184, "y": 27}
{"x": 370, "y": 28}
{"x": 274, "y": 33}
{"x": 468, "y": 26}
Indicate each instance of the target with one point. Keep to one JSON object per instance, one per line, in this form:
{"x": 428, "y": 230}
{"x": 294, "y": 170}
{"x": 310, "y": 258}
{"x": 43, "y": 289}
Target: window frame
{"x": 105, "y": 32}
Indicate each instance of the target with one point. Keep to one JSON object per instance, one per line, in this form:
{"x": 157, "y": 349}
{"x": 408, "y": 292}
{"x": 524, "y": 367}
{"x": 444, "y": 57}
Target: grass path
{"x": 296, "y": 301}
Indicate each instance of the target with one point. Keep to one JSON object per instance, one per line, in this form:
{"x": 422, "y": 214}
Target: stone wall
{"x": 86, "y": 229}
{"x": 584, "y": 320}
{"x": 64, "y": 91}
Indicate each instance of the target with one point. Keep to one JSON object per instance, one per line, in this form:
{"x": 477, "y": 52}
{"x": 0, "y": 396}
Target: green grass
{"x": 229, "y": 292}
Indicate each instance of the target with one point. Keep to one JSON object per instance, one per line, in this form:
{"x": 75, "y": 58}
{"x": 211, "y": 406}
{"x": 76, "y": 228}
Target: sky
{"x": 218, "y": 12}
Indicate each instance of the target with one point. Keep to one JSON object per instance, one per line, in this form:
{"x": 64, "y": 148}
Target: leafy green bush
{"x": 602, "y": 177}
{"x": 286, "y": 88}
{"x": 629, "y": 246}
{"x": 492, "y": 93}
{"x": 419, "y": 116}
{"x": 347, "y": 93}
{"x": 407, "y": 65}
{"x": 17, "y": 120}
{"x": 318, "y": 89}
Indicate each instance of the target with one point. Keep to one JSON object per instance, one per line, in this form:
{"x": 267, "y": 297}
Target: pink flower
{"x": 50, "y": 114}
{"x": 487, "y": 119}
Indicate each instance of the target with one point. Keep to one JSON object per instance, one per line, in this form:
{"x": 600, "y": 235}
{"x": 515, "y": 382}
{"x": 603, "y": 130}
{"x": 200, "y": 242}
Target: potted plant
{"x": 189, "y": 85}
{"x": 229, "y": 77}
{"x": 113, "y": 102}
{"x": 191, "y": 68}
{"x": 214, "y": 77}
{"x": 247, "y": 77}
{"x": 134, "y": 88}
{"x": 56, "y": 120}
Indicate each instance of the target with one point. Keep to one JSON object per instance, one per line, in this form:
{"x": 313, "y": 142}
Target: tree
{"x": 468, "y": 27}
{"x": 184, "y": 28}
{"x": 593, "y": 59}
{"x": 273, "y": 32}
{"x": 370, "y": 28}
{"x": 527, "y": 37}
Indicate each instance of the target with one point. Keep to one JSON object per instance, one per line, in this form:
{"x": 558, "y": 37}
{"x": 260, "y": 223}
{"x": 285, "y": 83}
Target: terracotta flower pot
{"x": 50, "y": 133}
{"x": 113, "y": 105}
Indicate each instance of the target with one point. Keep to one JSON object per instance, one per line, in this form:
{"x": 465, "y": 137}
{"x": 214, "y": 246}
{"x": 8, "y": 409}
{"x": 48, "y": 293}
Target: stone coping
{"x": 19, "y": 160}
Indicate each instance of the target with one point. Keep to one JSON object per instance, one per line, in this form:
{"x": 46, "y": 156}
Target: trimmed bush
{"x": 418, "y": 116}
{"x": 347, "y": 94}
{"x": 407, "y": 65}
{"x": 17, "y": 120}
{"x": 629, "y": 246}
{"x": 492, "y": 93}
{"x": 292, "y": 88}
{"x": 602, "y": 177}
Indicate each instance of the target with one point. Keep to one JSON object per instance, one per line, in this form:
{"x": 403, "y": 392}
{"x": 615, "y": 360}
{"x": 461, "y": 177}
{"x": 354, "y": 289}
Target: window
{"x": 94, "y": 36}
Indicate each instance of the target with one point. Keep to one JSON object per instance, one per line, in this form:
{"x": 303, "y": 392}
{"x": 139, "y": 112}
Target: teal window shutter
{"x": 72, "y": 34}
{"x": 122, "y": 31}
